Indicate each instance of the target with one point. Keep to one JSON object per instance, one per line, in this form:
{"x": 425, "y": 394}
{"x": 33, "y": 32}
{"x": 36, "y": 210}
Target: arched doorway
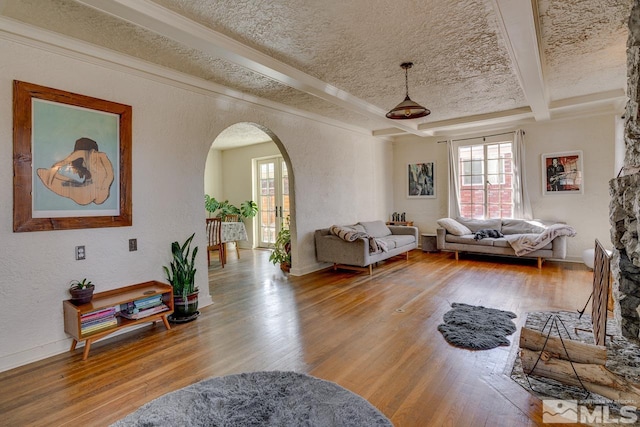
{"x": 247, "y": 161}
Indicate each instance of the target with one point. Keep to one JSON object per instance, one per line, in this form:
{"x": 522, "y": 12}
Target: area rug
{"x": 477, "y": 327}
{"x": 271, "y": 398}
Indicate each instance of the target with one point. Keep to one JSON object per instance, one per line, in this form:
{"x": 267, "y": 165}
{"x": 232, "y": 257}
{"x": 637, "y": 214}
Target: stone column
{"x": 624, "y": 210}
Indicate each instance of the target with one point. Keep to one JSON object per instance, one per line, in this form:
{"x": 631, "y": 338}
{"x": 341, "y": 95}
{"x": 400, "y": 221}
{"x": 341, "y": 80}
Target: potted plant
{"x": 247, "y": 209}
{"x": 81, "y": 291}
{"x": 282, "y": 248}
{"x": 181, "y": 276}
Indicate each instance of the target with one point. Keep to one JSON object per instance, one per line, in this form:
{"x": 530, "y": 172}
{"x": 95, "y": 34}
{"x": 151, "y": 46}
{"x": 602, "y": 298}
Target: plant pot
{"x": 285, "y": 266}
{"x": 185, "y": 309}
{"x": 81, "y": 296}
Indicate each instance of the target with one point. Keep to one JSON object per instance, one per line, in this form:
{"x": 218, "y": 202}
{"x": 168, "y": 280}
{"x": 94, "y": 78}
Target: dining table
{"x": 232, "y": 232}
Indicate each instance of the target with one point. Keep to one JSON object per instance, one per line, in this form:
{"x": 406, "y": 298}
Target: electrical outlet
{"x": 133, "y": 245}
{"x": 80, "y": 253}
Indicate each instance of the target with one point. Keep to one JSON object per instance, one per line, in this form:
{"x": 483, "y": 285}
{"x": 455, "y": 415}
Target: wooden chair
{"x": 233, "y": 218}
{"x": 214, "y": 239}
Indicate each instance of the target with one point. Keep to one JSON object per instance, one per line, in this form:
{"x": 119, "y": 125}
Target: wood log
{"x": 595, "y": 378}
{"x": 578, "y": 351}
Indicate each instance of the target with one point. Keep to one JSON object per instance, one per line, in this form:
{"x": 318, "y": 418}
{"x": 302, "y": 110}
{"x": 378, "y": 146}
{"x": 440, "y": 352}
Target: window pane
{"x": 493, "y": 179}
{"x": 485, "y": 174}
{"x": 494, "y": 211}
{"x": 476, "y": 167}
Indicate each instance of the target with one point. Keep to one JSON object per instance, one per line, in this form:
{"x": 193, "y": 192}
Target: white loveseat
{"x": 524, "y": 238}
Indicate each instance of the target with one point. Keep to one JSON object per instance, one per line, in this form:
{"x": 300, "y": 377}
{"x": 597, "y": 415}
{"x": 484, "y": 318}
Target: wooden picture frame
{"x": 71, "y": 160}
{"x": 562, "y": 173}
{"x": 421, "y": 180}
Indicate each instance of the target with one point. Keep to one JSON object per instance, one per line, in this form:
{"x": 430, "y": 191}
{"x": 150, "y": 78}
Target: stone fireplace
{"x": 624, "y": 211}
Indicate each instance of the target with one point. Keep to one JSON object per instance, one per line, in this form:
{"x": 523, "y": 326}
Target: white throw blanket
{"x": 523, "y": 244}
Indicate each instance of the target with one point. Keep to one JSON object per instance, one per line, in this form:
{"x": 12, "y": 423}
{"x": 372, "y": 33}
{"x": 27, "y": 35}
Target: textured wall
{"x": 173, "y": 129}
{"x": 587, "y": 213}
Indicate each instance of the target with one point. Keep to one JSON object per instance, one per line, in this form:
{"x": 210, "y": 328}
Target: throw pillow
{"x": 478, "y": 224}
{"x": 453, "y": 227}
{"x": 376, "y": 228}
{"x": 345, "y": 233}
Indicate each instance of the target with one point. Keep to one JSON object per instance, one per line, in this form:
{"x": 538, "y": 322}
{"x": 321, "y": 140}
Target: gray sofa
{"x": 358, "y": 254}
{"x": 458, "y": 236}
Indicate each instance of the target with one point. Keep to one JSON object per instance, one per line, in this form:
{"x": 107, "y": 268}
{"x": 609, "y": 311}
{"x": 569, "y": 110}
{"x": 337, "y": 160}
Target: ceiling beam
{"x": 166, "y": 23}
{"x": 488, "y": 119}
{"x": 517, "y": 23}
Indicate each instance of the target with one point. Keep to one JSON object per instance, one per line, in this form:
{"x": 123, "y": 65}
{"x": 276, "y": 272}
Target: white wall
{"x": 588, "y": 213}
{"x": 213, "y": 174}
{"x": 423, "y": 212}
{"x": 340, "y": 177}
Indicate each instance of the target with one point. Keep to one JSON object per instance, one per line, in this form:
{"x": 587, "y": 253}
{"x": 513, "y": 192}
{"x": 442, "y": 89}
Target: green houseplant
{"x": 282, "y": 248}
{"x": 181, "y": 276}
{"x": 81, "y": 291}
{"x": 247, "y": 209}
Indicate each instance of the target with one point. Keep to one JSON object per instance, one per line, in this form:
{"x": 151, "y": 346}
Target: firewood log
{"x": 595, "y": 378}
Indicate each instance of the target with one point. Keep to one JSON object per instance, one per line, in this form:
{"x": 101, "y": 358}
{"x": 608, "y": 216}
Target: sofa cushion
{"x": 478, "y": 224}
{"x": 468, "y": 240}
{"x": 376, "y": 228}
{"x": 453, "y": 227}
{"x": 398, "y": 240}
{"x": 522, "y": 226}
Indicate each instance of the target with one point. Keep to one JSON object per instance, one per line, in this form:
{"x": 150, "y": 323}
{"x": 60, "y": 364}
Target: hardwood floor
{"x": 375, "y": 336}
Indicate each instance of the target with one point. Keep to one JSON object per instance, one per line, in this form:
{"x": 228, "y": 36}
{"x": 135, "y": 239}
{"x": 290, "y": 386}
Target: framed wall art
{"x": 562, "y": 173}
{"x": 421, "y": 180}
{"x": 71, "y": 160}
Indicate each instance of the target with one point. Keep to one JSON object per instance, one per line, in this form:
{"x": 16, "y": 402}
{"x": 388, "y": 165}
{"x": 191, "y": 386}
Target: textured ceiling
{"x": 340, "y": 59}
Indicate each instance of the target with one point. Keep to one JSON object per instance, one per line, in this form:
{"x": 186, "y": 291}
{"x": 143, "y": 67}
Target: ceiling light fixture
{"x": 407, "y": 109}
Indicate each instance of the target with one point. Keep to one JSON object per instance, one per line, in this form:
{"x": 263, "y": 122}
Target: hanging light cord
{"x": 406, "y": 80}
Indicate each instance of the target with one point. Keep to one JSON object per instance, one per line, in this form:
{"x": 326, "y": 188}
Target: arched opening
{"x": 248, "y": 161}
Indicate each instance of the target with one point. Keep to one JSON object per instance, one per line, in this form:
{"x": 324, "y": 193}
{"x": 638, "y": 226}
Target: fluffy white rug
{"x": 271, "y": 398}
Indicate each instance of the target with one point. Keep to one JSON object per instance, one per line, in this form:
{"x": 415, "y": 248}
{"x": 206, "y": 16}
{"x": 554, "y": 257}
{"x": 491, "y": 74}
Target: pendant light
{"x": 407, "y": 109}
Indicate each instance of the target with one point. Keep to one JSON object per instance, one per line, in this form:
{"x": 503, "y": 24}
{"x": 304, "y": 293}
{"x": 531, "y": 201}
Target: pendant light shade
{"x": 407, "y": 109}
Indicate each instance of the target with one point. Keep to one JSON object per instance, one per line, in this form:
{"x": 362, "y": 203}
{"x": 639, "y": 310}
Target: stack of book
{"x": 141, "y": 308}
{"x": 98, "y": 320}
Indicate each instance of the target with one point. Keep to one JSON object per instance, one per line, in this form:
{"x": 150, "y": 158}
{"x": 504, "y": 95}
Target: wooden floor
{"x": 375, "y": 336}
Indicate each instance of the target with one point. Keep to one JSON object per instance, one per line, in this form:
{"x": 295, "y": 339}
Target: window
{"x": 273, "y": 200}
{"x": 486, "y": 180}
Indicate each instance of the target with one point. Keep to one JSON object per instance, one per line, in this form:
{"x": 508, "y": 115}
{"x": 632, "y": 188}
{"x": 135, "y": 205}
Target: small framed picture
{"x": 562, "y": 173}
{"x": 421, "y": 180}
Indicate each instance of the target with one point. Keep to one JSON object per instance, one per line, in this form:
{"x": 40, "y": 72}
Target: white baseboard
{"x": 35, "y": 354}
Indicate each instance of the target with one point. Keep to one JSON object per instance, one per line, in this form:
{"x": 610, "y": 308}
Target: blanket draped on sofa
{"x": 523, "y": 244}
{"x": 376, "y": 245}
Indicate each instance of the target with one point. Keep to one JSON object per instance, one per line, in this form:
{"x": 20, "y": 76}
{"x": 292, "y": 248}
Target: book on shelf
{"x": 136, "y": 306}
{"x": 98, "y": 314}
{"x": 149, "y": 302}
{"x": 99, "y": 326}
{"x": 144, "y": 313}
{"x": 97, "y": 322}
